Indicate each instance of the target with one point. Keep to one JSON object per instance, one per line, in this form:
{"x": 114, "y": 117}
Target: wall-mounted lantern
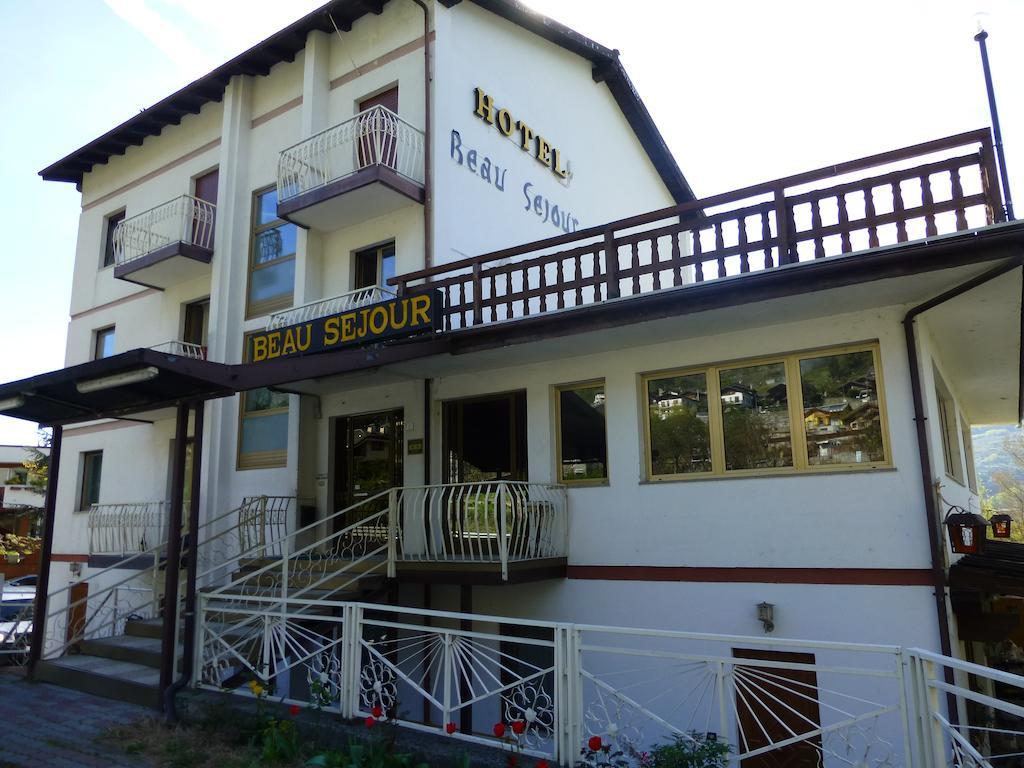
{"x": 766, "y": 615}
{"x": 13, "y": 558}
{"x": 966, "y": 531}
{"x": 1001, "y": 525}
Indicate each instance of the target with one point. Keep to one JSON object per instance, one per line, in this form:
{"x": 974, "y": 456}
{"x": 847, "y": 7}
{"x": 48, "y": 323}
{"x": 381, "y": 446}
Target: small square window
{"x": 104, "y": 343}
{"x": 108, "y": 236}
{"x": 375, "y": 266}
{"x": 92, "y": 469}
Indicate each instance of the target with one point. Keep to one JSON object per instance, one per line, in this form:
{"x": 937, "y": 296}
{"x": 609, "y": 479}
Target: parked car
{"x": 15, "y": 626}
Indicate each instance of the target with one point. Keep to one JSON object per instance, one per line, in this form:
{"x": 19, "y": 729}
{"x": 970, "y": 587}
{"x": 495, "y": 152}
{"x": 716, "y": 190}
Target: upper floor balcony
{"x": 346, "y": 302}
{"x": 361, "y": 168}
{"x": 166, "y": 245}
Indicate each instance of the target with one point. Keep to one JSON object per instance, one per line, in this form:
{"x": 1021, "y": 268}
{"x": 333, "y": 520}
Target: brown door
{"x": 368, "y": 460}
{"x": 206, "y": 189}
{"x": 378, "y": 131}
{"x": 763, "y": 720}
{"x": 76, "y": 612}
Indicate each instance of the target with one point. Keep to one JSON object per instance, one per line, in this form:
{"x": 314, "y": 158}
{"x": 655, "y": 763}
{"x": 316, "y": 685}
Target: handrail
{"x": 117, "y": 528}
{"x": 360, "y": 297}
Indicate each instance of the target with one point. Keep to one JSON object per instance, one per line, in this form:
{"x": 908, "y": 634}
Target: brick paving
{"x": 46, "y": 726}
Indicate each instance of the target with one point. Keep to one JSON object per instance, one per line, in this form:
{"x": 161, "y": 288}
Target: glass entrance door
{"x": 368, "y": 460}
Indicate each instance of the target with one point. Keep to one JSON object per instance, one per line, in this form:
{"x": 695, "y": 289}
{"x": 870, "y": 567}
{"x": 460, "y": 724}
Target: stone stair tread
{"x": 120, "y": 670}
{"x": 131, "y": 641}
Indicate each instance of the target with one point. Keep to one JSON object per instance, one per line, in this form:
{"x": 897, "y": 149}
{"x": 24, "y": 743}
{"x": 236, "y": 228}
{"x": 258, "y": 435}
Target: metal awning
{"x": 132, "y": 382}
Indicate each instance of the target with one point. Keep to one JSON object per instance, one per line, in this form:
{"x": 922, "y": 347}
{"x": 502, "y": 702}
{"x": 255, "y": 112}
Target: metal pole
{"x": 172, "y": 562}
{"x": 996, "y": 132}
{"x": 45, "y": 556}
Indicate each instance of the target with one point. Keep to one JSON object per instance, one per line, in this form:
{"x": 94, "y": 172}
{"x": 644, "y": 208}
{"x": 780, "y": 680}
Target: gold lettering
{"x": 259, "y": 348}
{"x": 420, "y": 309}
{"x": 378, "y": 328}
{"x": 397, "y": 324}
{"x": 556, "y": 163}
{"x": 273, "y": 340}
{"x": 526, "y": 135}
{"x": 288, "y": 348}
{"x": 348, "y": 326}
{"x": 484, "y": 106}
{"x": 330, "y": 331}
{"x": 362, "y": 325}
{"x": 505, "y": 122}
{"x": 303, "y": 346}
{"x": 543, "y": 151}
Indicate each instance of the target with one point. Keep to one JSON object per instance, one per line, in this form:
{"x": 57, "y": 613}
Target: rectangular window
{"x": 950, "y": 430}
{"x": 103, "y": 343}
{"x": 262, "y": 427}
{"x": 965, "y": 434}
{"x": 582, "y": 439}
{"x": 272, "y": 258}
{"x": 92, "y": 469}
{"x": 110, "y": 223}
{"x": 374, "y": 266}
{"x": 196, "y": 322}
{"x": 739, "y": 418}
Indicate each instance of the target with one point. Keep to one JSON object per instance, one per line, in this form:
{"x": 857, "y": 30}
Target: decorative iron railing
{"x": 374, "y": 137}
{"x": 182, "y": 349}
{"x": 931, "y": 189}
{"x": 263, "y": 522}
{"x": 361, "y": 297}
{"x": 184, "y": 219}
{"x": 127, "y": 528}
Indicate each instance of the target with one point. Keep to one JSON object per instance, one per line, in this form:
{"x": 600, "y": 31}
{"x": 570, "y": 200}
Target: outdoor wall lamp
{"x": 12, "y": 403}
{"x": 75, "y": 569}
{"x": 1001, "y": 525}
{"x": 766, "y": 615}
{"x": 966, "y": 531}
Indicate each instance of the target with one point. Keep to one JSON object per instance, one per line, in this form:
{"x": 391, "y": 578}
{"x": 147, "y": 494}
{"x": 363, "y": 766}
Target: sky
{"x": 742, "y": 90}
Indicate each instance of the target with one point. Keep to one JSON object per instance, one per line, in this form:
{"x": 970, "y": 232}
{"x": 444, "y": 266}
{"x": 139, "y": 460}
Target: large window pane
{"x": 261, "y": 434}
{"x": 92, "y": 470}
{"x": 266, "y": 209}
{"x": 272, "y": 261}
{"x": 264, "y": 399}
{"x": 755, "y": 417}
{"x": 678, "y": 424}
{"x": 270, "y": 282}
{"x": 583, "y": 446}
{"x": 842, "y": 421}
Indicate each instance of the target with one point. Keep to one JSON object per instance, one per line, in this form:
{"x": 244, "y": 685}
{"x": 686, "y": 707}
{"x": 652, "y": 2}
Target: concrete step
{"x": 112, "y": 679}
{"x": 137, "y": 650}
{"x": 144, "y": 628}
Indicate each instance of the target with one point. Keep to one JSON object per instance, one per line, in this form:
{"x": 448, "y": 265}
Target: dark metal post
{"x": 172, "y": 562}
{"x": 46, "y": 554}
{"x": 997, "y": 133}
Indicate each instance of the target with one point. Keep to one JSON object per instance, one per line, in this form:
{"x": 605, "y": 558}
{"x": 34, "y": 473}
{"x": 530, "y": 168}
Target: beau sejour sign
{"x": 402, "y": 316}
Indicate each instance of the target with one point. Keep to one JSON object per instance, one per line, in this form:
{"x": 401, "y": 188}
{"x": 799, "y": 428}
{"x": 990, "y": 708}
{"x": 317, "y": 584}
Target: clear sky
{"x": 743, "y": 91}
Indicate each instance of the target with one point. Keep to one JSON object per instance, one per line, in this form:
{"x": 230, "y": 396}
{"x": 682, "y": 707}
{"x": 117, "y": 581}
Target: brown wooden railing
{"x": 930, "y": 189}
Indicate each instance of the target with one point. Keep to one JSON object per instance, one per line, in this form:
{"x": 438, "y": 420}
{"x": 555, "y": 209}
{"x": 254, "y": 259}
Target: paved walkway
{"x": 46, "y": 726}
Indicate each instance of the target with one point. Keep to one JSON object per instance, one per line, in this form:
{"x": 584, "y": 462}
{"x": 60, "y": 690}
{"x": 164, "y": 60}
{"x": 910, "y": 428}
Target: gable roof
{"x": 286, "y": 44}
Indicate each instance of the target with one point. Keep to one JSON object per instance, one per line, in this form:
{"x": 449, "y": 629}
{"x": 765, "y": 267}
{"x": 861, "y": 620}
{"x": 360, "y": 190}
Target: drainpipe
{"x": 43, "y": 582}
{"x": 428, "y": 186}
{"x": 931, "y": 509}
{"x": 188, "y": 642}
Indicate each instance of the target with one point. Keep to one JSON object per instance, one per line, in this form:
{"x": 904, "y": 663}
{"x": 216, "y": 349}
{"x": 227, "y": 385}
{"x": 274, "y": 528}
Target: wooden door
{"x": 763, "y": 720}
{"x": 378, "y": 133}
{"x": 206, "y": 189}
{"x": 77, "y": 605}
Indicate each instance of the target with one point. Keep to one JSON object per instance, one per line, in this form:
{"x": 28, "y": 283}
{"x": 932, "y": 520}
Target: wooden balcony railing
{"x": 930, "y": 189}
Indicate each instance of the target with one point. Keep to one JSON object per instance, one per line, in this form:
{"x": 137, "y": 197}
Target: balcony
{"x": 166, "y": 245}
{"x": 362, "y": 168}
{"x": 361, "y": 297}
{"x": 182, "y": 349}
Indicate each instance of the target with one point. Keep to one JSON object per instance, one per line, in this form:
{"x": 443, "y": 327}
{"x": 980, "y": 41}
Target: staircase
{"x": 101, "y": 645}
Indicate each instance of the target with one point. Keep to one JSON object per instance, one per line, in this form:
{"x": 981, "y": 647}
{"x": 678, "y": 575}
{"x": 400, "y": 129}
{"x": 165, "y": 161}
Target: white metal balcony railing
{"x": 182, "y": 349}
{"x": 184, "y": 219}
{"x": 361, "y": 297}
{"x": 376, "y": 136}
{"x": 127, "y": 528}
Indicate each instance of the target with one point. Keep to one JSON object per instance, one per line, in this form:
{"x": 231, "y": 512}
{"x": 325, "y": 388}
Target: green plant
{"x": 694, "y": 750}
{"x": 376, "y": 754}
{"x": 280, "y": 741}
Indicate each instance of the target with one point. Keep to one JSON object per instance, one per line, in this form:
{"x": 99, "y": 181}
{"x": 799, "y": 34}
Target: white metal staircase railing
{"x": 360, "y": 297}
{"x": 125, "y": 528}
{"x": 374, "y": 137}
{"x": 184, "y": 219}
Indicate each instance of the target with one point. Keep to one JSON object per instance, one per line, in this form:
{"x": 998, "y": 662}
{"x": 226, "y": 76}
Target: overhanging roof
{"x": 285, "y": 45}
{"x": 999, "y": 570}
{"x": 53, "y": 398}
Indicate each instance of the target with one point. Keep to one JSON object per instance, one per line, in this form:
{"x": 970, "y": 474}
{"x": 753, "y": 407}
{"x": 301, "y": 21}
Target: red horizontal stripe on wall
{"x": 69, "y": 558}
{"x": 912, "y": 577}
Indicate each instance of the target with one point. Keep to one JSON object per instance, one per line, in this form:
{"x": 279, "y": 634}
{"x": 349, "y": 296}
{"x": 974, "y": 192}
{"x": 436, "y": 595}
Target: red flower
{"x": 518, "y": 726}
{"x": 370, "y": 722}
{"x": 542, "y": 764}
{"x": 512, "y": 761}
{"x": 294, "y": 710}
{"x": 451, "y": 728}
{"x": 499, "y": 730}
{"x": 377, "y": 711}
{"x": 594, "y": 744}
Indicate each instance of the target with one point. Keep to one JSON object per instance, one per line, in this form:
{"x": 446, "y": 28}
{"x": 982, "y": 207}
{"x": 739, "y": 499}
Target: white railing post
{"x": 499, "y": 510}
{"x": 908, "y": 727}
{"x": 285, "y": 555}
{"x": 392, "y": 532}
{"x": 262, "y": 518}
{"x": 351, "y": 649}
{"x": 933, "y": 706}
{"x": 446, "y": 670}
{"x": 568, "y": 694}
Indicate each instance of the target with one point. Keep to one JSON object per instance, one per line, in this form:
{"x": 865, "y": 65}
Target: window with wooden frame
{"x": 89, "y": 488}
{"x": 581, "y": 440}
{"x": 949, "y": 428}
{"x": 103, "y": 343}
{"x": 965, "y": 434}
{"x": 109, "y": 225}
{"x": 262, "y": 427}
{"x": 797, "y": 412}
{"x": 271, "y": 257}
{"x": 373, "y": 266}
